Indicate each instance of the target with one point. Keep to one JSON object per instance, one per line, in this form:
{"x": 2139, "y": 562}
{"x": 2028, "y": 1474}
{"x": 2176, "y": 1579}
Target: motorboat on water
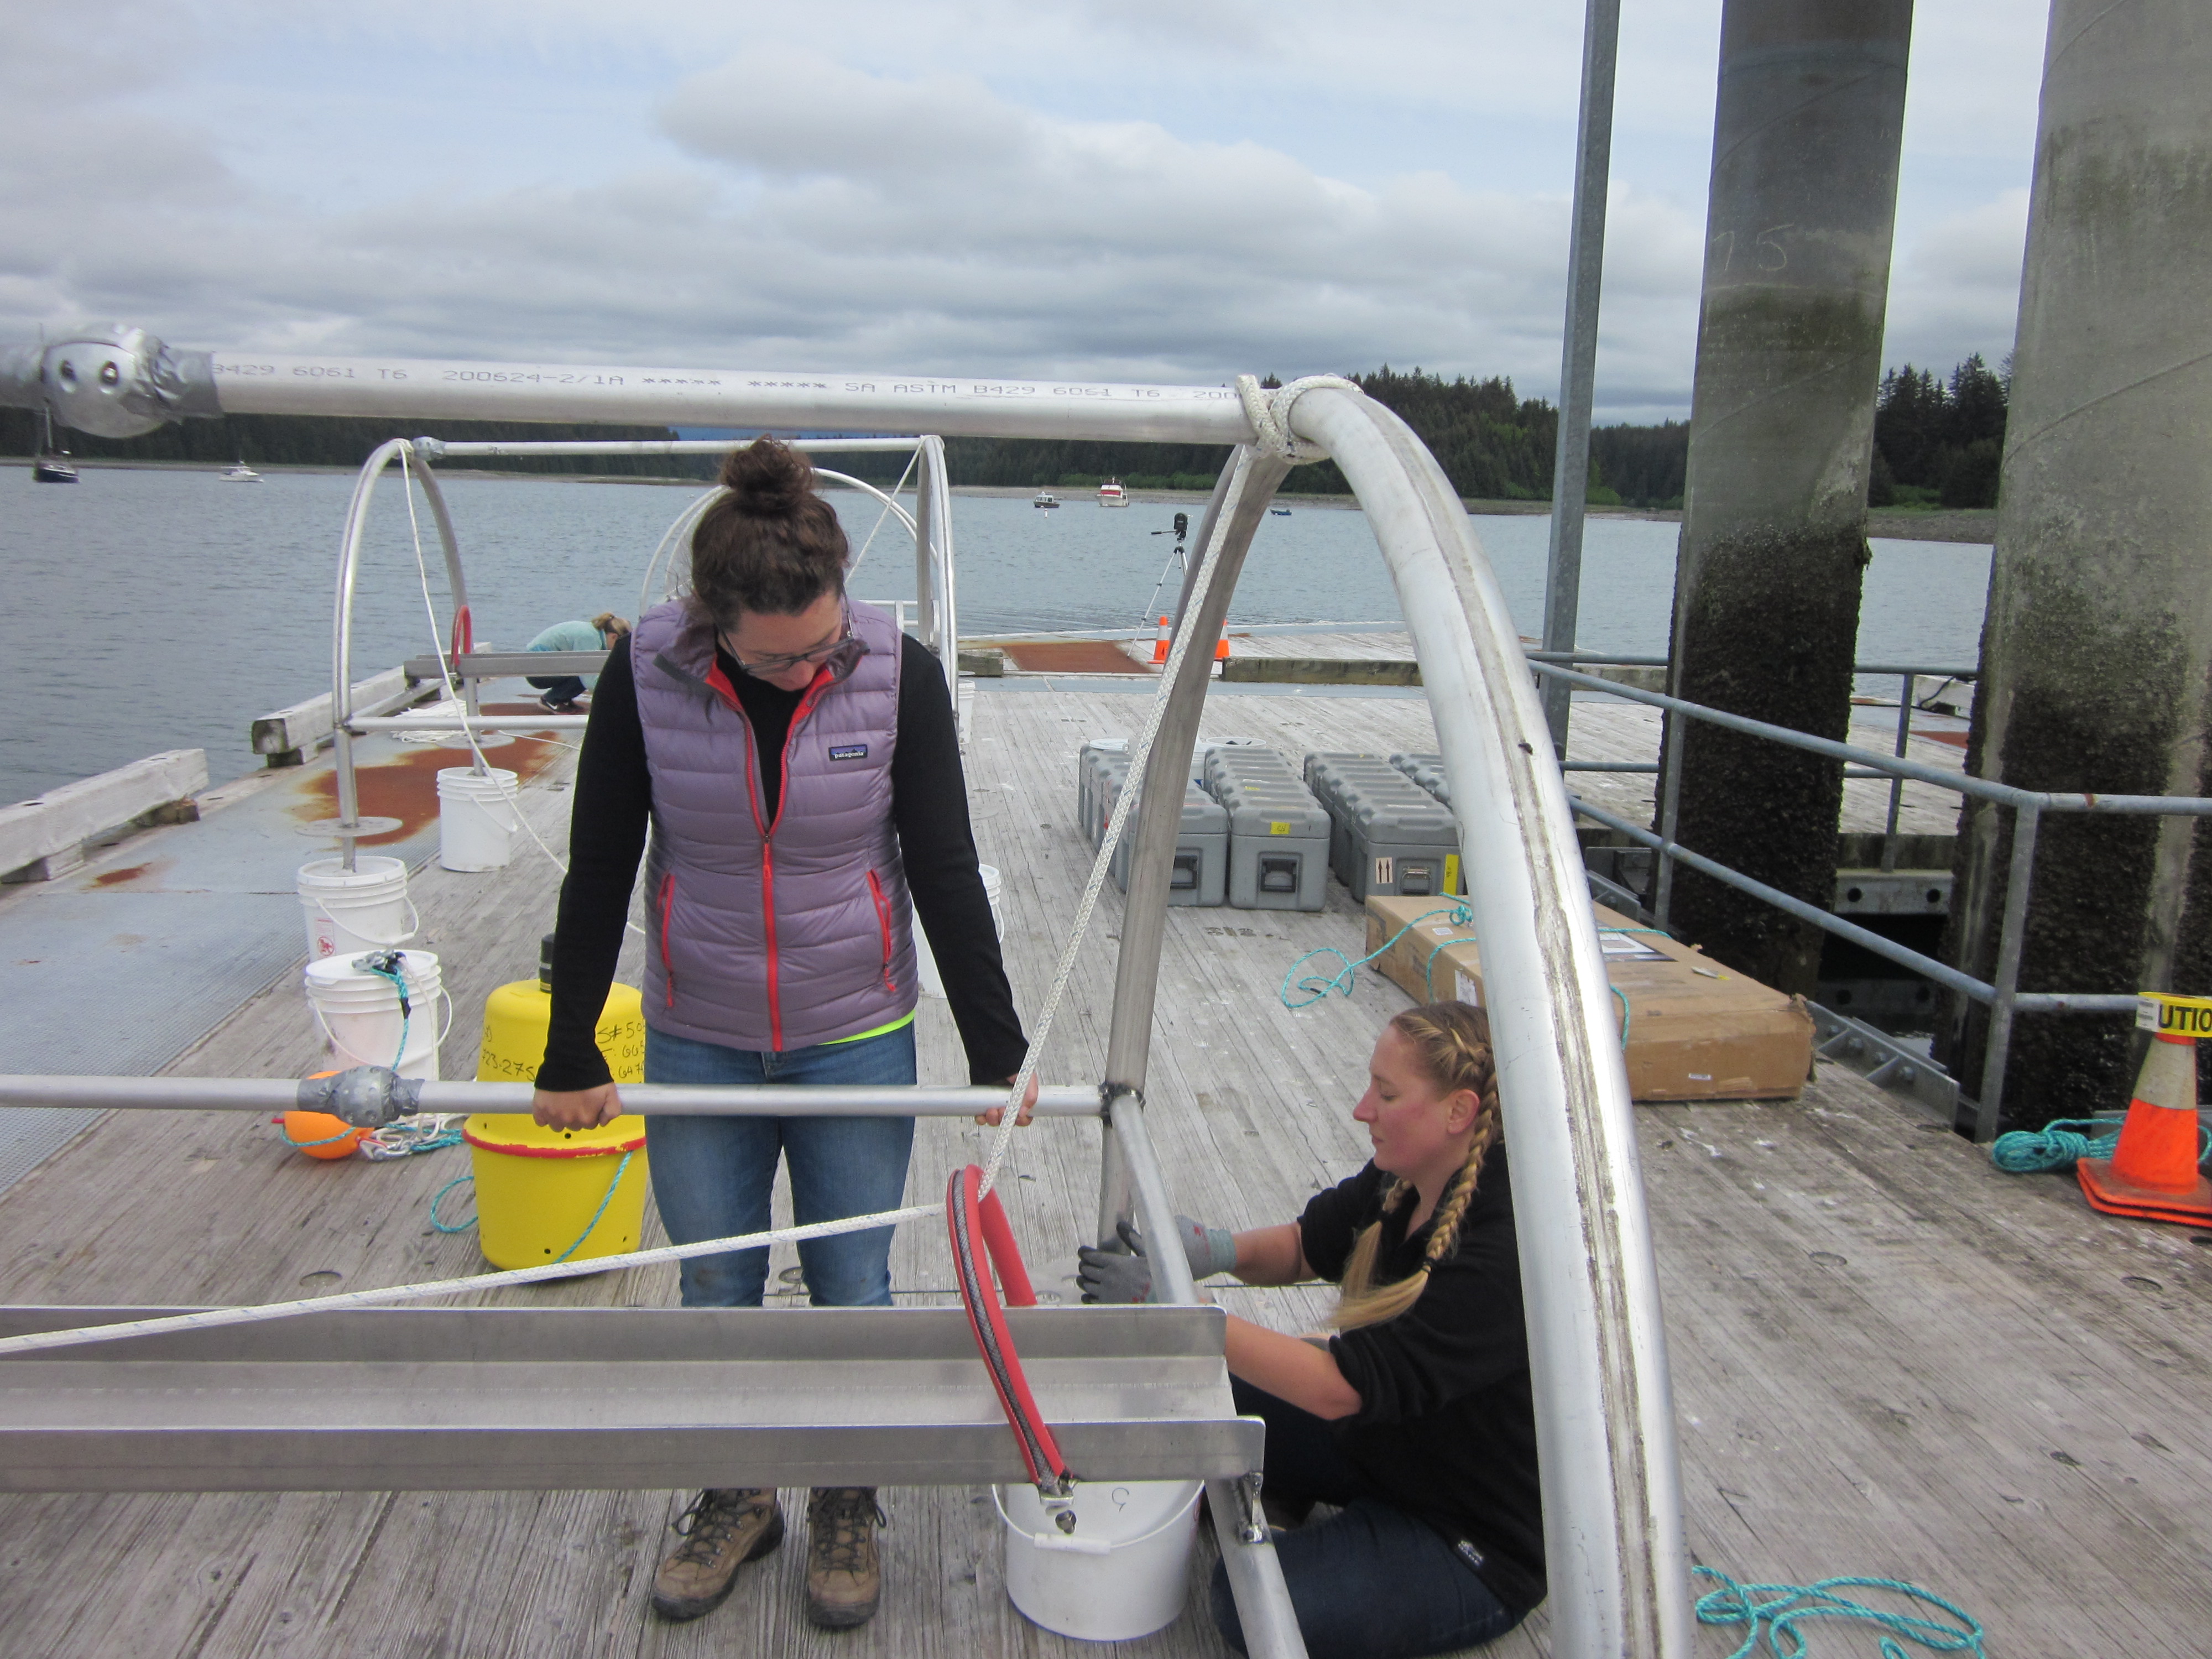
{"x": 1280, "y": 511}
{"x": 241, "y": 473}
{"x": 1110, "y": 494}
{"x": 1045, "y": 498}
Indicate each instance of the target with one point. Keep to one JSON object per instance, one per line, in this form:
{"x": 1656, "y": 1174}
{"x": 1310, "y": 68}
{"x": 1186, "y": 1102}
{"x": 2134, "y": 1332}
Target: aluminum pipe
{"x": 1605, "y": 1415}
{"x": 159, "y": 385}
{"x": 249, "y": 1094}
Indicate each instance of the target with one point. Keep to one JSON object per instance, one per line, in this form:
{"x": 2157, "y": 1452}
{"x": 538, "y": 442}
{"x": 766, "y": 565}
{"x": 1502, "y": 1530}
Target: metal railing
{"x": 2002, "y": 995}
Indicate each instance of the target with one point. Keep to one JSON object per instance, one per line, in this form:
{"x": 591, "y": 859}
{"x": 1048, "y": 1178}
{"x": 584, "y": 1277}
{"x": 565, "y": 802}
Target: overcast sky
{"x": 1172, "y": 190}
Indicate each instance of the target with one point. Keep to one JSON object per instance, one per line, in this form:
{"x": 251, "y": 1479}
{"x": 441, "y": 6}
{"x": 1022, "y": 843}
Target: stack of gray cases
{"x": 1094, "y": 763}
{"x": 1387, "y": 834}
{"x": 1200, "y": 874}
{"x": 1278, "y": 832}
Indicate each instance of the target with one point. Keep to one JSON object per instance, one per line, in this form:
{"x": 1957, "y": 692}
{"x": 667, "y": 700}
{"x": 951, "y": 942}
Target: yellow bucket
{"x": 555, "y": 1194}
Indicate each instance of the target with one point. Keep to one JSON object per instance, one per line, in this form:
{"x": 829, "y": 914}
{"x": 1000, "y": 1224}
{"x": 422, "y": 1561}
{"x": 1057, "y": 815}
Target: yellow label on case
{"x": 1278, "y": 826}
{"x": 1451, "y": 873}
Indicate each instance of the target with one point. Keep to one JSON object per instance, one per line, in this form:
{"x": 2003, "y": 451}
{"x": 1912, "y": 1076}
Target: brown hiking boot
{"x": 844, "y": 1574}
{"x": 724, "y": 1528}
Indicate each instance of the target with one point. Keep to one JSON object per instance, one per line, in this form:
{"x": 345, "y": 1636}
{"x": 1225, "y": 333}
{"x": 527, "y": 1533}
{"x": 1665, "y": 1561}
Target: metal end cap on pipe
{"x": 110, "y": 380}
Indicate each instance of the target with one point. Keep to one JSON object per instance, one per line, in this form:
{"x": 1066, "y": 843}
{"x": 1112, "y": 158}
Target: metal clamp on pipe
{"x": 367, "y": 1096}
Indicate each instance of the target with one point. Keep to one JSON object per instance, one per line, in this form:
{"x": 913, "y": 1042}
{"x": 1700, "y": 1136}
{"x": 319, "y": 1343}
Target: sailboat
{"x": 51, "y": 465}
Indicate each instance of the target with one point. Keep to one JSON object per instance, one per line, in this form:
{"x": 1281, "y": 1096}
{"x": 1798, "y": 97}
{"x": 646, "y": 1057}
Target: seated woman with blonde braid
{"x": 1414, "y": 1419}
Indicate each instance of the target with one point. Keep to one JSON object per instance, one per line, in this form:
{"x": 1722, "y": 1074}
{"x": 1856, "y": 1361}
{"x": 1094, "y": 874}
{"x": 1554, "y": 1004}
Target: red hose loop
{"x": 464, "y": 634}
{"x": 971, "y": 1217}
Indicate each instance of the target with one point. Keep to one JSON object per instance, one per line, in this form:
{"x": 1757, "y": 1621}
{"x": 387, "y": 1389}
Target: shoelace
{"x": 841, "y": 1522}
{"x": 707, "y": 1525}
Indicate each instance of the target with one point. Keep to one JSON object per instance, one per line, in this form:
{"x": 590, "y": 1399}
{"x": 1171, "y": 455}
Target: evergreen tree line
{"x": 1936, "y": 442}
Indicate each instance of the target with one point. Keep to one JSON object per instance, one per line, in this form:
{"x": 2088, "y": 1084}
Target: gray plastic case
{"x": 1401, "y": 847}
{"x": 1278, "y": 832}
{"x": 1200, "y": 875}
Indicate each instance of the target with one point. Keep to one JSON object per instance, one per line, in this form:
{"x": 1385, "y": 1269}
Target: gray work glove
{"x": 1117, "y": 1271}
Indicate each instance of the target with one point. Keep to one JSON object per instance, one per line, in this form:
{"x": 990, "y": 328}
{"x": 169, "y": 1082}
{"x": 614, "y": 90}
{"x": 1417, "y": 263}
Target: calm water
{"x": 157, "y": 609}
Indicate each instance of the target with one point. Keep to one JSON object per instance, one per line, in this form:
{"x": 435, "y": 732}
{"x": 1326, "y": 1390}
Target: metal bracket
{"x": 1881, "y": 1060}
{"x": 1110, "y": 1092}
{"x": 1251, "y": 1519}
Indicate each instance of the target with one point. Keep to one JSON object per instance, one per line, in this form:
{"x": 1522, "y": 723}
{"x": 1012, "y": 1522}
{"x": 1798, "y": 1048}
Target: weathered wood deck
{"x": 1888, "y": 1359}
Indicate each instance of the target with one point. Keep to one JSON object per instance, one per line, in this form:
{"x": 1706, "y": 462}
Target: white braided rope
{"x": 1268, "y": 409}
{"x": 1139, "y": 754}
{"x": 212, "y": 1318}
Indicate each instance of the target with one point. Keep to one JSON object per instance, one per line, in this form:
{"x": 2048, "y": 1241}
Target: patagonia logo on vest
{"x": 1468, "y": 1553}
{"x": 848, "y": 751}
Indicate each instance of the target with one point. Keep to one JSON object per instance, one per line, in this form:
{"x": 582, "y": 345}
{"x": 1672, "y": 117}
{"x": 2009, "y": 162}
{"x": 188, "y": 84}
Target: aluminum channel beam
{"x": 531, "y": 1398}
{"x": 1605, "y": 1416}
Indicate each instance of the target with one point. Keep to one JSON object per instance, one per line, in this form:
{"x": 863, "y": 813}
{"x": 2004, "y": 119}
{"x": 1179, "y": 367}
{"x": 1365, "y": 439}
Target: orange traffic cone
{"x": 1160, "y": 645}
{"x": 2153, "y": 1174}
{"x": 1221, "y": 649}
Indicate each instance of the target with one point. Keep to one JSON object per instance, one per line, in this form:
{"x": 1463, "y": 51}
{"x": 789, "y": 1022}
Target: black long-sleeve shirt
{"x": 929, "y": 809}
{"x": 1446, "y": 1428}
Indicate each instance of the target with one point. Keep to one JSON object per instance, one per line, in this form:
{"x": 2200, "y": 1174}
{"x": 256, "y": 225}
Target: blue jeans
{"x": 1371, "y": 1582}
{"x": 712, "y": 1175}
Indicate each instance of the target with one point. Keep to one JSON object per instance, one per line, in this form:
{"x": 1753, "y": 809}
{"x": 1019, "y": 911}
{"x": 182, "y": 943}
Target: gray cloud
{"x": 792, "y": 206}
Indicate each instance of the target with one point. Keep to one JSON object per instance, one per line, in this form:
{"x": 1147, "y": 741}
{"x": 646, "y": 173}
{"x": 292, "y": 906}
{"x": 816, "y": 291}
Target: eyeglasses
{"x": 840, "y": 656}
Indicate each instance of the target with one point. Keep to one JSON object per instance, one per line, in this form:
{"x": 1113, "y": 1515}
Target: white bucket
{"x": 353, "y": 911}
{"x": 1119, "y": 1575}
{"x": 478, "y": 818}
{"x": 925, "y": 962}
{"x": 359, "y": 1011}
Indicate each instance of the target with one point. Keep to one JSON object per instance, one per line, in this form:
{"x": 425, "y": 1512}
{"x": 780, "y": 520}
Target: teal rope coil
{"x": 1786, "y": 1608}
{"x": 605, "y": 1198}
{"x": 1317, "y": 989}
{"x": 437, "y": 1196}
{"x": 2062, "y": 1143}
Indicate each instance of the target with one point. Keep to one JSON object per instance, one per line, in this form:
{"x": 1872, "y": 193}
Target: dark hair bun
{"x": 768, "y": 479}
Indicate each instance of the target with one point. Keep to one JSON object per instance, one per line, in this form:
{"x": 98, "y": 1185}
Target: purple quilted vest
{"x": 771, "y": 936}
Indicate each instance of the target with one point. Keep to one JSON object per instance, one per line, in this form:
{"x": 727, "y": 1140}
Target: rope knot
{"x": 1268, "y": 409}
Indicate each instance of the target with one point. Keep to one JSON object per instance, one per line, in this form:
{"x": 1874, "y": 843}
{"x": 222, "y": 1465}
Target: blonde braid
{"x": 1453, "y": 1042}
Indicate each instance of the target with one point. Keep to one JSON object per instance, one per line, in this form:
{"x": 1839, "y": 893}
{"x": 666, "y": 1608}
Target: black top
{"x": 929, "y": 809}
{"x": 1446, "y": 1429}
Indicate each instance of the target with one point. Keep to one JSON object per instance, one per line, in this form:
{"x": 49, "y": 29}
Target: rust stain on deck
{"x": 1074, "y": 657}
{"x": 406, "y": 787}
{"x": 126, "y": 875}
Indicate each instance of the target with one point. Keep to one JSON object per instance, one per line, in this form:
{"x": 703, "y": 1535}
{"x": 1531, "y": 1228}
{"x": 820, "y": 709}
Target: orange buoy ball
{"x": 320, "y": 1135}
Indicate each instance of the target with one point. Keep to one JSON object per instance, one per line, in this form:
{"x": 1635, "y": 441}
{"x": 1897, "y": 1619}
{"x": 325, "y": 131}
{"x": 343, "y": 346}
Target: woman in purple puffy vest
{"x": 796, "y": 759}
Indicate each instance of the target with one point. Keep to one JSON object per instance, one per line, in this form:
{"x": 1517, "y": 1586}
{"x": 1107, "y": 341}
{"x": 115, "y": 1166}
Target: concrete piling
{"x": 1799, "y": 224}
{"x": 2097, "y": 644}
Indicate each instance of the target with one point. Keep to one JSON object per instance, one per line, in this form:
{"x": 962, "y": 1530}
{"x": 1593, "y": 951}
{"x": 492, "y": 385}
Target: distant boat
{"x": 51, "y": 465}
{"x": 241, "y": 473}
{"x": 1110, "y": 494}
{"x": 1045, "y": 498}
{"x": 1280, "y": 511}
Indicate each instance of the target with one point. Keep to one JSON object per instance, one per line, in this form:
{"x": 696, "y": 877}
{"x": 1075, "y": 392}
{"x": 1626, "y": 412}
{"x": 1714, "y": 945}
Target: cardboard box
{"x": 1696, "y": 1030}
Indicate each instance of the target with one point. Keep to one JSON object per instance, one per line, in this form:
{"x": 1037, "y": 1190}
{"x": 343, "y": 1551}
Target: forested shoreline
{"x": 1938, "y": 443}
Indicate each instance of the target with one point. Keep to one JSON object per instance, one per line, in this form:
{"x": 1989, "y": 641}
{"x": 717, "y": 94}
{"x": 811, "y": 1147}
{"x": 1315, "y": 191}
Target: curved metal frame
{"x": 933, "y": 556}
{"x": 1612, "y": 1489}
{"x": 1597, "y": 1346}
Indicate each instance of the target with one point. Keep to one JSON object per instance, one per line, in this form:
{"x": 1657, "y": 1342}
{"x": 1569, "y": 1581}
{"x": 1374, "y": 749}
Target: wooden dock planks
{"x": 1885, "y": 1353}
